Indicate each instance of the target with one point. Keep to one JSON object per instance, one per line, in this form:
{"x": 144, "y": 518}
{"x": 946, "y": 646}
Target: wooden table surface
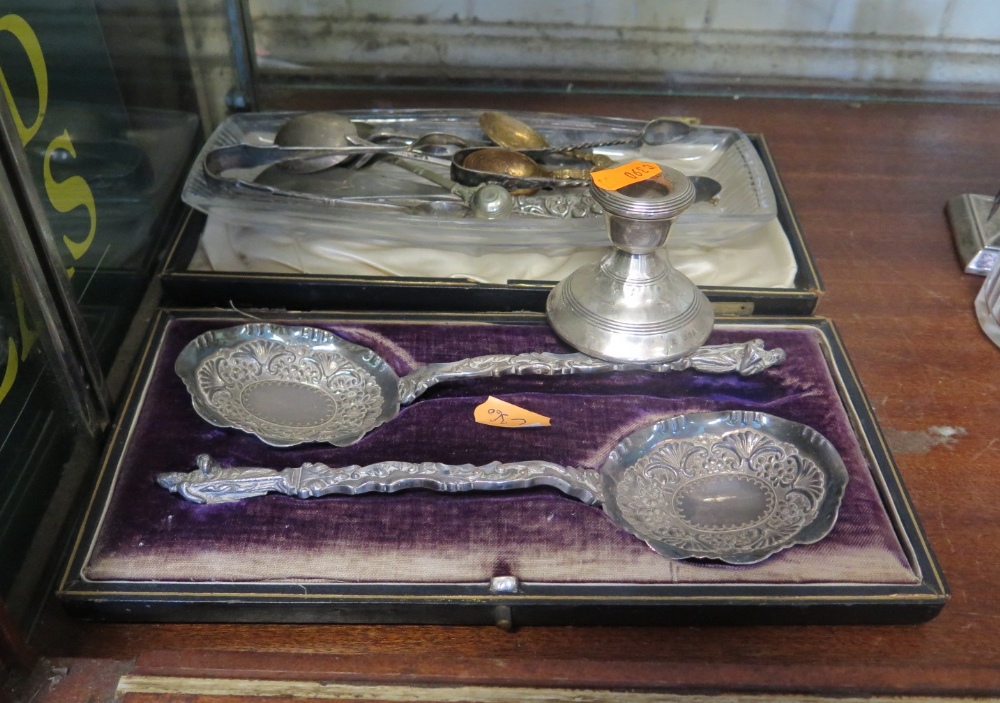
{"x": 869, "y": 181}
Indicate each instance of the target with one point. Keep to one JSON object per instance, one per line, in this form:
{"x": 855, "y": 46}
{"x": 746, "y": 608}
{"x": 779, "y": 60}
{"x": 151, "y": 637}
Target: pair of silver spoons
{"x": 733, "y": 486}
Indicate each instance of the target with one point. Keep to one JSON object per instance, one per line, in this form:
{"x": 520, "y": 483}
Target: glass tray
{"x": 745, "y": 203}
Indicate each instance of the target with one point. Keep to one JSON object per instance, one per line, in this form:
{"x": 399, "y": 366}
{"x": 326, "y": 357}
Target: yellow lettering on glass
{"x": 10, "y": 373}
{"x": 28, "y": 336}
{"x": 23, "y": 32}
{"x": 69, "y": 194}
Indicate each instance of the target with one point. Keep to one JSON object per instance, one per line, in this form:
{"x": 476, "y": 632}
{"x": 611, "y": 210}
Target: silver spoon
{"x": 330, "y": 129}
{"x": 312, "y": 130}
{"x": 510, "y": 133}
{"x": 334, "y": 131}
{"x": 290, "y": 385}
{"x": 698, "y": 485}
{"x": 656, "y": 132}
{"x": 315, "y": 129}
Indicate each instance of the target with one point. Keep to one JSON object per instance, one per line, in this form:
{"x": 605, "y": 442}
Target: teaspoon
{"x": 656, "y": 132}
{"x": 517, "y": 164}
{"x": 315, "y": 129}
{"x": 509, "y": 132}
{"x": 519, "y": 173}
{"x": 335, "y": 131}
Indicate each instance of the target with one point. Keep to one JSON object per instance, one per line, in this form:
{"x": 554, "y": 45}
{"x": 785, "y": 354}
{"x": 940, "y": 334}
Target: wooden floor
{"x": 869, "y": 182}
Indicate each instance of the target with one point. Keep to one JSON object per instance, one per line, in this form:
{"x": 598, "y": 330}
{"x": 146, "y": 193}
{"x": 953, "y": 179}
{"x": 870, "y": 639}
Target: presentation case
{"x": 532, "y": 556}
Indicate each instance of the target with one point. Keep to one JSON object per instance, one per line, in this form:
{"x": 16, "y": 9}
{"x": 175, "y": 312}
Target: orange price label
{"x": 500, "y": 413}
{"x": 621, "y": 176}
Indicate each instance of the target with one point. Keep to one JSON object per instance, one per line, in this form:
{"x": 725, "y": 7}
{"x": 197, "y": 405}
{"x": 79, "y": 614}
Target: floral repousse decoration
{"x": 781, "y": 491}
{"x": 332, "y": 394}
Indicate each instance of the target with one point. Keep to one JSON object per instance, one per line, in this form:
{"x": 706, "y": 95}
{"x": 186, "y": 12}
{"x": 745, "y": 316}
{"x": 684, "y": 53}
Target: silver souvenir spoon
{"x": 732, "y": 486}
{"x": 656, "y": 132}
{"x": 291, "y": 385}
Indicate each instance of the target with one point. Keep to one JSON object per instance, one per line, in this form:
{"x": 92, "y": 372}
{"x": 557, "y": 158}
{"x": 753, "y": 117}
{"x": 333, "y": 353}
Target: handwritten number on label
{"x": 499, "y": 417}
{"x": 500, "y": 413}
{"x": 621, "y": 176}
{"x": 639, "y": 171}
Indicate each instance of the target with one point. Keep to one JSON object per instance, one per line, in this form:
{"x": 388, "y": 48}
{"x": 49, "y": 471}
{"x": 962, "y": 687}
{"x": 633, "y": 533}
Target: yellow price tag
{"x": 500, "y": 413}
{"x": 621, "y": 176}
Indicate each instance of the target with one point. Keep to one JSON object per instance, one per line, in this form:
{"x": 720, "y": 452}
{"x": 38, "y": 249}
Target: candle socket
{"x": 633, "y": 305}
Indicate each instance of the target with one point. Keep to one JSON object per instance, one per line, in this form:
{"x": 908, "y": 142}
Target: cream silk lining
{"x": 762, "y": 258}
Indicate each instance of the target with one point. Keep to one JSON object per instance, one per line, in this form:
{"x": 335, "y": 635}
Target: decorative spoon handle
{"x": 746, "y": 358}
{"x": 558, "y": 205}
{"x": 586, "y": 146}
{"x": 212, "y": 483}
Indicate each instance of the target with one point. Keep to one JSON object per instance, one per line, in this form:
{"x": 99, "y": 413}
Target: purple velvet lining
{"x": 590, "y": 413}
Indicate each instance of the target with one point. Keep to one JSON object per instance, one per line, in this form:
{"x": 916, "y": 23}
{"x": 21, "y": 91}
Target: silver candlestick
{"x": 633, "y": 306}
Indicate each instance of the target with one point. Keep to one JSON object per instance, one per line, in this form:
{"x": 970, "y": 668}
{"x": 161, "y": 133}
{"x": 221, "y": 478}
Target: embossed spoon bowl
{"x": 731, "y": 486}
{"x": 291, "y": 385}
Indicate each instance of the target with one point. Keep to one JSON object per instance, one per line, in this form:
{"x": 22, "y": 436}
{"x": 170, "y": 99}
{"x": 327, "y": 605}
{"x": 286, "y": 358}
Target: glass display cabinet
{"x": 89, "y": 194}
{"x": 228, "y": 225}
